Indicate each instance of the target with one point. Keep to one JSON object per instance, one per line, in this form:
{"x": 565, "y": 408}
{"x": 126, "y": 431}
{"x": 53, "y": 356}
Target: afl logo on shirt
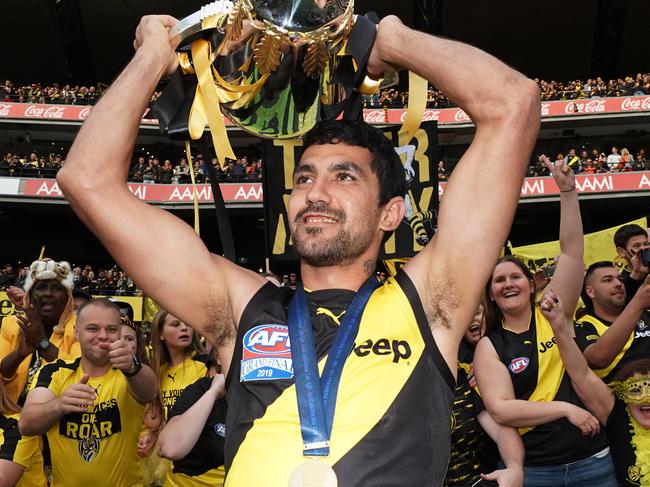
{"x": 266, "y": 354}
{"x": 518, "y": 365}
{"x": 220, "y": 429}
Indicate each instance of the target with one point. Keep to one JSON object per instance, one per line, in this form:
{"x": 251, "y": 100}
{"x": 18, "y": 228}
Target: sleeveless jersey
{"x": 637, "y": 346}
{"x": 620, "y": 433}
{"x": 173, "y": 380}
{"x": 557, "y": 442}
{"x": 22, "y": 450}
{"x": 98, "y": 447}
{"x": 393, "y": 407}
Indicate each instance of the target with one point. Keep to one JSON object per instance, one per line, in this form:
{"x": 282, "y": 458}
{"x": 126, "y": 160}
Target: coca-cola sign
{"x": 83, "y": 114}
{"x": 43, "y": 111}
{"x": 461, "y": 116}
{"x": 583, "y": 106}
{"x": 375, "y": 116}
{"x": 636, "y": 104}
{"x": 4, "y": 110}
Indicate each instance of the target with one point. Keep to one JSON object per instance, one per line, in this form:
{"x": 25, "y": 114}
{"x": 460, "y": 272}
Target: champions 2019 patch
{"x": 266, "y": 354}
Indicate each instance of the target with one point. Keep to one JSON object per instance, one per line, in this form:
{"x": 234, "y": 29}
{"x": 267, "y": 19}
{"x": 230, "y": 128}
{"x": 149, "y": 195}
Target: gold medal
{"x": 313, "y": 473}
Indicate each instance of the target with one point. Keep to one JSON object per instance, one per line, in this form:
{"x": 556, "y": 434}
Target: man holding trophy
{"x": 361, "y": 394}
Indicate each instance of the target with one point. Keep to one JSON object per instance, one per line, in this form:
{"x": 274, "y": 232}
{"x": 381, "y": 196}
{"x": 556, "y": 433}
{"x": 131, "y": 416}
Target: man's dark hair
{"x": 386, "y": 164}
{"x": 626, "y": 232}
{"x": 602, "y": 264}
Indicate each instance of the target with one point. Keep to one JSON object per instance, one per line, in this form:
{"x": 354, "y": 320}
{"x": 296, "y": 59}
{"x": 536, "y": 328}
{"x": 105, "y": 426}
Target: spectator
{"x": 167, "y": 172}
{"x": 442, "y": 172}
{"x": 149, "y": 173}
{"x": 45, "y": 333}
{"x": 182, "y": 172}
{"x": 113, "y": 383}
{"x": 139, "y": 169}
{"x": 194, "y": 434}
{"x": 620, "y": 410}
{"x": 474, "y": 433}
{"x": 22, "y": 460}
{"x": 612, "y": 332}
{"x": 613, "y": 159}
{"x": 509, "y": 360}
{"x": 630, "y": 240}
{"x": 178, "y": 358}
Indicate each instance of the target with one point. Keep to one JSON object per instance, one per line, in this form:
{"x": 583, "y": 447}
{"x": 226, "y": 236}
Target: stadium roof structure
{"x": 86, "y": 41}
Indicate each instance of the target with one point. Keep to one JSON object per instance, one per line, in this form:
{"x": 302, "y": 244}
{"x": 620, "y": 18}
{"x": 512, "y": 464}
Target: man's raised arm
{"x": 162, "y": 254}
{"x": 482, "y": 194}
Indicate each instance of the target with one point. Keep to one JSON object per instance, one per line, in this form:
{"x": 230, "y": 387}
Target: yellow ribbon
{"x": 206, "y": 104}
{"x": 195, "y": 196}
{"x": 417, "y": 104}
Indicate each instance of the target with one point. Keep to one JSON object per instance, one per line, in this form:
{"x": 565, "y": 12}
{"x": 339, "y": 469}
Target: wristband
{"x": 43, "y": 344}
{"x": 137, "y": 365}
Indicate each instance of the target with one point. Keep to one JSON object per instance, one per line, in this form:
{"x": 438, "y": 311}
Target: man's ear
{"x": 392, "y": 214}
{"x": 621, "y": 252}
{"x": 590, "y": 292}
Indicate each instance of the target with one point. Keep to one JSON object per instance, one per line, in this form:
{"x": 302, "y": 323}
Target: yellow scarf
{"x": 550, "y": 368}
{"x": 641, "y": 444}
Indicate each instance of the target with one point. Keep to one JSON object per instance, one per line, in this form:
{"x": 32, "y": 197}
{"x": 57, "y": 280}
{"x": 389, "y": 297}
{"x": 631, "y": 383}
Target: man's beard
{"x": 339, "y": 249}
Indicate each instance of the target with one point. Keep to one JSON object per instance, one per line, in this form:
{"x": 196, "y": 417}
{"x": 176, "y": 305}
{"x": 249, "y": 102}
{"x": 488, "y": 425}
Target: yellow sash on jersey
{"x": 550, "y": 368}
{"x": 601, "y": 328}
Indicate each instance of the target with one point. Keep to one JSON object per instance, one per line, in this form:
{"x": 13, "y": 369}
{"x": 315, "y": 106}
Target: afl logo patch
{"x": 220, "y": 429}
{"x": 266, "y": 353}
{"x": 518, "y": 365}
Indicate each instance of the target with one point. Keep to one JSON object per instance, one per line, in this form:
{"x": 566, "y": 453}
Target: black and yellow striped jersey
{"x": 393, "y": 407}
{"x": 99, "y": 444}
{"x": 23, "y": 450}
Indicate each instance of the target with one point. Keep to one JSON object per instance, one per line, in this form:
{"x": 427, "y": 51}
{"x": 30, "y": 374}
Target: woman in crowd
{"x": 519, "y": 370}
{"x": 626, "y": 414}
{"x": 194, "y": 434}
{"x": 21, "y": 460}
{"x": 473, "y": 451}
{"x": 178, "y": 358}
{"x": 153, "y": 469}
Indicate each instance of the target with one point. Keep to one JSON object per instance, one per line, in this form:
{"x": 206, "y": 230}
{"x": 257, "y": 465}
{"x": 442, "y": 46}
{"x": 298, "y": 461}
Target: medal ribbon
{"x": 317, "y": 397}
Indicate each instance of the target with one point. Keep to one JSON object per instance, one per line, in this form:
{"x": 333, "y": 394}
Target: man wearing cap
{"x": 44, "y": 332}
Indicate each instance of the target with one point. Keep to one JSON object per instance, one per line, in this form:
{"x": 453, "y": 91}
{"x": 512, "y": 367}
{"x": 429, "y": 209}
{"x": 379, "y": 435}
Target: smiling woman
{"x": 518, "y": 366}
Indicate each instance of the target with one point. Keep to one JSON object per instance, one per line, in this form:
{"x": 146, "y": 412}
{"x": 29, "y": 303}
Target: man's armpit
{"x": 219, "y": 326}
{"x": 441, "y": 303}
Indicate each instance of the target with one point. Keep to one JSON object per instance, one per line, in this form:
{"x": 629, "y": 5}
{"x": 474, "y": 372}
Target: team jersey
{"x": 203, "y": 465}
{"x": 393, "y": 408}
{"x": 10, "y": 334}
{"x": 23, "y": 450}
{"x": 619, "y": 431}
{"x": 174, "y": 379}
{"x": 96, "y": 448}
{"x": 557, "y": 442}
{"x": 472, "y": 451}
{"x": 637, "y": 346}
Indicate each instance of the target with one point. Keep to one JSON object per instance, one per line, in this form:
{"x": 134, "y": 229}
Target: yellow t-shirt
{"x": 173, "y": 380}
{"x": 98, "y": 447}
{"x": 23, "y": 450}
{"x": 212, "y": 478}
{"x": 10, "y": 334}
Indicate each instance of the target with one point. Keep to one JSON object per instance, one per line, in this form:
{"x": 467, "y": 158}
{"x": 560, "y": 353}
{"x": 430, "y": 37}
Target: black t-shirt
{"x": 208, "y": 451}
{"x": 557, "y": 442}
{"x": 619, "y": 432}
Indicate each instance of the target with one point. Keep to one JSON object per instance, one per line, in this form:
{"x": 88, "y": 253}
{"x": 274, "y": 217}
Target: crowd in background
{"x": 144, "y": 169}
{"x": 107, "y": 280}
{"x": 66, "y": 94}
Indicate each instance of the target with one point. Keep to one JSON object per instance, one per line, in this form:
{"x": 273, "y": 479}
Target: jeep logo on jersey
{"x": 398, "y": 349}
{"x": 268, "y": 340}
{"x": 266, "y": 354}
{"x": 518, "y": 365}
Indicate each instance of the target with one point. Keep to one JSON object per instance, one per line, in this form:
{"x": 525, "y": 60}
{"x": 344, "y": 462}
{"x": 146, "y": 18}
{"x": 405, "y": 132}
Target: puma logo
{"x": 172, "y": 377}
{"x": 327, "y": 312}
